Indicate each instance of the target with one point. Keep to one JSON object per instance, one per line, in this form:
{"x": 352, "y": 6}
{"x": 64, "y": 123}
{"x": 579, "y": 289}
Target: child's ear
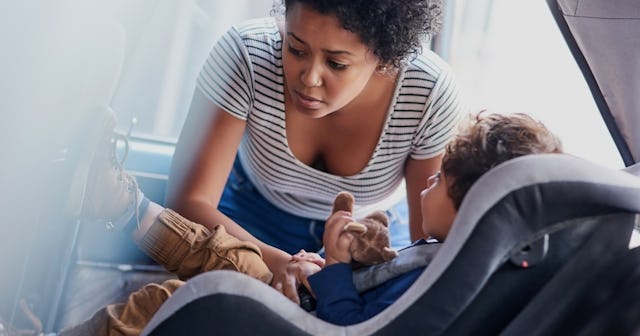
{"x": 344, "y": 201}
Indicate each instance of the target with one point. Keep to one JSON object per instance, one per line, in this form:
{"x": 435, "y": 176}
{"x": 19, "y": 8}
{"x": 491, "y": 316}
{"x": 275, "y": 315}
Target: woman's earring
{"x": 382, "y": 68}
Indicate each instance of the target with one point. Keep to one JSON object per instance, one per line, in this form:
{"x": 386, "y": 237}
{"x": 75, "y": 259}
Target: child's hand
{"x": 336, "y": 240}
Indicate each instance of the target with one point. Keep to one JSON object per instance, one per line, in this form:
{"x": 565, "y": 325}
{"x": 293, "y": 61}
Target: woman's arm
{"x": 416, "y": 174}
{"x": 202, "y": 161}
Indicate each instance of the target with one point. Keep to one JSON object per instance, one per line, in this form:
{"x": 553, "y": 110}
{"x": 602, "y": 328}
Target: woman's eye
{"x": 295, "y": 52}
{"x": 337, "y": 66}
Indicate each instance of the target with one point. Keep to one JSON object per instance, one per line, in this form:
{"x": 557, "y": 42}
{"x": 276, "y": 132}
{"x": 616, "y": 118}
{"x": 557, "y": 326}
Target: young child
{"x": 187, "y": 248}
{"x": 486, "y": 141}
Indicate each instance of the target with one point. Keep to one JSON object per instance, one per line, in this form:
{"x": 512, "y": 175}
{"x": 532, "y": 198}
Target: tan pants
{"x": 186, "y": 249}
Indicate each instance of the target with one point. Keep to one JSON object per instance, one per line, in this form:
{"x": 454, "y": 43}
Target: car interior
{"x": 542, "y": 244}
{"x": 513, "y": 241}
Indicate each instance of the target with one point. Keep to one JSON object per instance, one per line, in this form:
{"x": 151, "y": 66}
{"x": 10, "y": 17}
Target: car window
{"x": 167, "y": 42}
{"x": 511, "y": 57}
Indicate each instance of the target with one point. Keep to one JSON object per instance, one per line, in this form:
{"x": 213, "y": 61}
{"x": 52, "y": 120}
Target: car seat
{"x": 520, "y": 225}
{"x": 597, "y": 294}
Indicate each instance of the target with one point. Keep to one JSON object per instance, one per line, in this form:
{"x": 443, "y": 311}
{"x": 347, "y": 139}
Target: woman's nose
{"x": 312, "y": 76}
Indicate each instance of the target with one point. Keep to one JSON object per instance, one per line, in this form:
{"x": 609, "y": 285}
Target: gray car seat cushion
{"x": 485, "y": 194}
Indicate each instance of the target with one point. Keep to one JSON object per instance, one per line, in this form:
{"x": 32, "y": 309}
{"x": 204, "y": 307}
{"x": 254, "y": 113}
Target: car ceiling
{"x": 604, "y": 38}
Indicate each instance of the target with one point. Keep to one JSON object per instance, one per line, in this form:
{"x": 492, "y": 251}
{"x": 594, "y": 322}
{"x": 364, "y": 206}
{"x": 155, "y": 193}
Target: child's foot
{"x": 103, "y": 190}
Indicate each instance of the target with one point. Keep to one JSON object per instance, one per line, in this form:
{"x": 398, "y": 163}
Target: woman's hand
{"x": 336, "y": 240}
{"x": 284, "y": 276}
{"x": 308, "y": 256}
{"x": 302, "y": 270}
{"x": 289, "y": 273}
{"x": 305, "y": 264}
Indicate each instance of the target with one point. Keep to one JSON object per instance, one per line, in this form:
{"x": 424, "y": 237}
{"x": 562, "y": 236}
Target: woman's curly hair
{"x": 485, "y": 141}
{"x": 393, "y": 30}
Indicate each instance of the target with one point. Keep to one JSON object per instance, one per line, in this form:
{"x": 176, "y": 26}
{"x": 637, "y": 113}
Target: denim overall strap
{"x": 243, "y": 203}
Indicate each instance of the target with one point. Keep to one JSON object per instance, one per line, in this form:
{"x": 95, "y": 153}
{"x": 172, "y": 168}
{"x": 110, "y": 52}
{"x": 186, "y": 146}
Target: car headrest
{"x": 514, "y": 204}
{"x": 556, "y": 177}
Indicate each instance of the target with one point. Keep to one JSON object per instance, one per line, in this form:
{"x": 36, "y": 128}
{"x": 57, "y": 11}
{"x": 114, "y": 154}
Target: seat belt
{"x": 418, "y": 255}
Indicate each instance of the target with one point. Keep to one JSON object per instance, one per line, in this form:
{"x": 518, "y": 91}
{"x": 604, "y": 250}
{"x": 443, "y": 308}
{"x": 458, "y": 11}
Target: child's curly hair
{"x": 487, "y": 140}
{"x": 393, "y": 30}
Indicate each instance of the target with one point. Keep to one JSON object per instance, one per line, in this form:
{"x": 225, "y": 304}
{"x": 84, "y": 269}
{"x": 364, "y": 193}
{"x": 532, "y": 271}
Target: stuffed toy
{"x": 371, "y": 244}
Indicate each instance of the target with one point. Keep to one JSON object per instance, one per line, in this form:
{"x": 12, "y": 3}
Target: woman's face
{"x": 325, "y": 66}
{"x": 438, "y": 211}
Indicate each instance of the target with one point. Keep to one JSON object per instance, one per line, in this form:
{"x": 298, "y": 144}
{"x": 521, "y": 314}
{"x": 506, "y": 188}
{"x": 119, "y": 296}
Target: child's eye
{"x": 337, "y": 66}
{"x": 295, "y": 52}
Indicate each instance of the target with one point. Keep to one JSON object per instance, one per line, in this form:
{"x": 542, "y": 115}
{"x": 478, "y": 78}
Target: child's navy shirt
{"x": 340, "y": 303}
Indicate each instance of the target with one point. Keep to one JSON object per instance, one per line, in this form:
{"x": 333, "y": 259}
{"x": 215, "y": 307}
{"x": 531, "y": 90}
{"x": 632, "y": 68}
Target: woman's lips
{"x": 308, "y": 102}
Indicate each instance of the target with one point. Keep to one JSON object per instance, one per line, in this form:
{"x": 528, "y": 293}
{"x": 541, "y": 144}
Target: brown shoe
{"x": 102, "y": 190}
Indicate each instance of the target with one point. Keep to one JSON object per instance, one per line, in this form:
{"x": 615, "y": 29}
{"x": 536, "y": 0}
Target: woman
{"x": 331, "y": 97}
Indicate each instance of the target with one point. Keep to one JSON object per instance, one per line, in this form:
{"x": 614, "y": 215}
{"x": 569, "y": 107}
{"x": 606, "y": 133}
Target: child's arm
{"x": 338, "y": 300}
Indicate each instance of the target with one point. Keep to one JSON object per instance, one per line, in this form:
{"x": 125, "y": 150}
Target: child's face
{"x": 438, "y": 211}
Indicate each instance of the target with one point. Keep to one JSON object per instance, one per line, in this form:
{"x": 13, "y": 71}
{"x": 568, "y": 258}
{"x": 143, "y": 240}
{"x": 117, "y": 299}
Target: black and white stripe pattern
{"x": 243, "y": 74}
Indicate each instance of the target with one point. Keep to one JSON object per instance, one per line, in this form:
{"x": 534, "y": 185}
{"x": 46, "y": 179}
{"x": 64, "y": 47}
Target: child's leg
{"x": 108, "y": 193}
{"x": 184, "y": 248}
{"x": 128, "y": 318}
{"x": 187, "y": 248}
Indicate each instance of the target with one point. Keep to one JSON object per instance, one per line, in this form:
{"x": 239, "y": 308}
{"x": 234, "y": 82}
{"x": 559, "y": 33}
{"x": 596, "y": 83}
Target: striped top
{"x": 243, "y": 75}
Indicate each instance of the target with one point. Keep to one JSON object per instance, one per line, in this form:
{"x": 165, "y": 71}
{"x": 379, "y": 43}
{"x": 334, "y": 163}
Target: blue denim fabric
{"x": 242, "y": 202}
{"x": 399, "y": 225}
